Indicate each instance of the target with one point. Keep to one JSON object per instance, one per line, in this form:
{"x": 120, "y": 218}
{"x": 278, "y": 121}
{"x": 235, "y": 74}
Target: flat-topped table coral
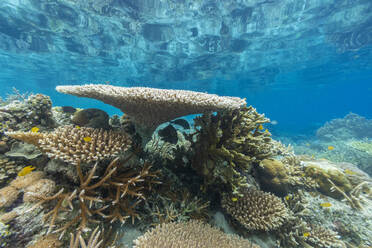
{"x": 149, "y": 107}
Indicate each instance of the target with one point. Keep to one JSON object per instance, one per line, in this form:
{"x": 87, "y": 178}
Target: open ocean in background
{"x": 302, "y": 63}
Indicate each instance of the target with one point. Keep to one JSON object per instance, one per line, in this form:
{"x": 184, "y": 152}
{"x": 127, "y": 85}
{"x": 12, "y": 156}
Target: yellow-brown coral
{"x": 78, "y": 145}
{"x": 8, "y": 195}
{"x": 190, "y": 234}
{"x": 150, "y": 107}
{"x": 49, "y": 241}
{"x": 256, "y": 210}
{"x": 22, "y": 182}
{"x": 42, "y": 187}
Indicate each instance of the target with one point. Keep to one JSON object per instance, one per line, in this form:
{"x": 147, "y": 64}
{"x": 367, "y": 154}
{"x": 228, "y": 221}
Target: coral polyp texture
{"x": 189, "y": 235}
{"x": 256, "y": 210}
{"x": 76, "y": 145}
{"x": 229, "y": 143}
{"x": 150, "y": 107}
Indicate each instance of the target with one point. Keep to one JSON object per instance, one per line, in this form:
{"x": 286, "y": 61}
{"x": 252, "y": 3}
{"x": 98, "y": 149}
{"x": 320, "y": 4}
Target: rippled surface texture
{"x": 157, "y": 40}
{"x": 224, "y": 47}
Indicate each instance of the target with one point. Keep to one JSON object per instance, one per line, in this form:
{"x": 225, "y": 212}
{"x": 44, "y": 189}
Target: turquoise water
{"x": 300, "y": 62}
{"x": 305, "y": 64}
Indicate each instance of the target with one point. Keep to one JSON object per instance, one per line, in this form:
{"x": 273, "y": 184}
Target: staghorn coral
{"x": 150, "y": 107}
{"x": 228, "y": 144}
{"x": 320, "y": 237}
{"x": 189, "y": 235}
{"x": 112, "y": 197}
{"x": 176, "y": 206}
{"x": 76, "y": 145}
{"x": 256, "y": 210}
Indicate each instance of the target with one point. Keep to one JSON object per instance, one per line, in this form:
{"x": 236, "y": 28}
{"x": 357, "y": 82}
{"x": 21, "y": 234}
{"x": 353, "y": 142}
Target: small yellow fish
{"x": 287, "y": 197}
{"x": 260, "y": 127}
{"x": 349, "y": 172}
{"x": 26, "y": 170}
{"x": 325, "y": 204}
{"x": 234, "y": 199}
{"x": 330, "y": 148}
{"x": 307, "y": 144}
{"x": 87, "y": 139}
{"x": 267, "y": 131}
{"x": 77, "y": 127}
{"x": 306, "y": 234}
{"x": 35, "y": 129}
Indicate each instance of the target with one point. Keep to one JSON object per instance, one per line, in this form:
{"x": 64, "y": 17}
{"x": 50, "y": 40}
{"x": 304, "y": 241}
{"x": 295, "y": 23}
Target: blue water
{"x": 301, "y": 63}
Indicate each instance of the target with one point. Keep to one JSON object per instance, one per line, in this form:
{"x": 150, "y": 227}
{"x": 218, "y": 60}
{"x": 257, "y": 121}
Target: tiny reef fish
{"x": 325, "y": 204}
{"x": 77, "y": 127}
{"x": 260, "y": 127}
{"x": 307, "y": 144}
{"x": 26, "y": 170}
{"x": 306, "y": 234}
{"x": 35, "y": 129}
{"x": 87, "y": 139}
{"x": 330, "y": 148}
{"x": 234, "y": 199}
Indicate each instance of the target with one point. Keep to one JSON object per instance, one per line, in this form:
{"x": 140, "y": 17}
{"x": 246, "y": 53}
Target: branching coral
{"x": 176, "y": 206}
{"x": 323, "y": 238}
{"x": 113, "y": 197}
{"x": 150, "y": 107}
{"x": 256, "y": 210}
{"x": 189, "y": 235}
{"x": 76, "y": 145}
{"x": 229, "y": 143}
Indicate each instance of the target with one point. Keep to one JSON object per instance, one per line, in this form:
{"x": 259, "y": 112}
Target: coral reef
{"x": 327, "y": 176}
{"x": 364, "y": 146}
{"x": 49, "y": 241}
{"x": 36, "y": 110}
{"x": 323, "y": 238}
{"x": 175, "y": 207}
{"x": 282, "y": 177}
{"x": 76, "y": 145}
{"x": 42, "y": 187}
{"x": 228, "y": 144}
{"x": 91, "y": 117}
{"x": 149, "y": 107}
{"x": 8, "y": 169}
{"x": 189, "y": 235}
{"x": 352, "y": 126}
{"x": 112, "y": 197}
{"x": 8, "y": 195}
{"x": 256, "y": 210}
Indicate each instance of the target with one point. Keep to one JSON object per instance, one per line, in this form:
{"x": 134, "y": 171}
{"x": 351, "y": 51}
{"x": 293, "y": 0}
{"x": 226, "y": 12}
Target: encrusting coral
{"x": 228, "y": 144}
{"x": 190, "y": 234}
{"x": 256, "y": 210}
{"x": 149, "y": 107}
{"x": 76, "y": 145}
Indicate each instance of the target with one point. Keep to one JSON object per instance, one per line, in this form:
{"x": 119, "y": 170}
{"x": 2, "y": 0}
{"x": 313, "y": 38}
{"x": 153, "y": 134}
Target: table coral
{"x": 149, "y": 107}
